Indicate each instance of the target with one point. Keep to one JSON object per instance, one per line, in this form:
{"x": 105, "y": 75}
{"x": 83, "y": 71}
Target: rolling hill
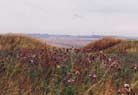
{"x": 103, "y": 44}
{"x": 113, "y": 45}
{"x": 15, "y": 41}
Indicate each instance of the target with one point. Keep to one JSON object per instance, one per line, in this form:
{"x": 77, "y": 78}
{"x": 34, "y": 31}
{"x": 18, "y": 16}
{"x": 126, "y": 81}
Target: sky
{"x": 71, "y": 17}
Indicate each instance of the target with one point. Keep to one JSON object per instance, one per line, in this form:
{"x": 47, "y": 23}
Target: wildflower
{"x": 119, "y": 92}
{"x": 33, "y": 56}
{"x": 32, "y": 61}
{"x": 94, "y": 76}
{"x": 110, "y": 59}
{"x": 90, "y": 75}
{"x": 70, "y": 80}
{"x": 58, "y": 66}
{"x": 126, "y": 85}
{"x": 77, "y": 72}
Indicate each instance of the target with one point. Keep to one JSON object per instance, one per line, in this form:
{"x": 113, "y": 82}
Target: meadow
{"x": 31, "y": 67}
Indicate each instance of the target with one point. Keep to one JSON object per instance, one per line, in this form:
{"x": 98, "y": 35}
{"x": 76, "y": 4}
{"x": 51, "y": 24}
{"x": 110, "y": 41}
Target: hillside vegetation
{"x": 124, "y": 47}
{"x": 113, "y": 45}
{"x": 102, "y": 44}
{"x": 30, "y": 67}
{"x": 14, "y": 42}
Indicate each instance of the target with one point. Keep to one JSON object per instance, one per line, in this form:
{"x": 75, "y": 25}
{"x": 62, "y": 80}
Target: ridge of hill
{"x": 16, "y": 41}
{"x": 113, "y": 45}
{"x": 103, "y": 44}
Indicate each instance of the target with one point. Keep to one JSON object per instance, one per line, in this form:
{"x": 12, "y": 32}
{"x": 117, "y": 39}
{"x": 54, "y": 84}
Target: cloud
{"x": 69, "y": 16}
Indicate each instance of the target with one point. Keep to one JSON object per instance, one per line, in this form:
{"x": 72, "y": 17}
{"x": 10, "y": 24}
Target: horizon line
{"x": 112, "y": 35}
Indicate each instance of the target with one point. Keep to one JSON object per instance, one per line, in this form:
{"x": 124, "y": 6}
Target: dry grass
{"x": 103, "y": 44}
{"x": 50, "y": 76}
{"x": 14, "y": 41}
{"x": 124, "y": 47}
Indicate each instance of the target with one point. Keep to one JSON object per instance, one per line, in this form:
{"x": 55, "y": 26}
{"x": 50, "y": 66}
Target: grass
{"x": 102, "y": 44}
{"x": 36, "y": 69}
{"x": 124, "y": 47}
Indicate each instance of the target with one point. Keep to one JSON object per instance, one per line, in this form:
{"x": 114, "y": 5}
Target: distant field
{"x": 68, "y": 42}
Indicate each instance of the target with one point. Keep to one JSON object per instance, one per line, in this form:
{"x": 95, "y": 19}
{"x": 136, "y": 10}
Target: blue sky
{"x": 75, "y": 17}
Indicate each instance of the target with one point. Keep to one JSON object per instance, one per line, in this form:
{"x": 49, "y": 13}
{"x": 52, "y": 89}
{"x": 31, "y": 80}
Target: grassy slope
{"x": 126, "y": 47}
{"x": 113, "y": 45}
{"x": 19, "y": 77}
{"x": 103, "y": 44}
{"x": 124, "y": 50}
{"x": 14, "y": 42}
